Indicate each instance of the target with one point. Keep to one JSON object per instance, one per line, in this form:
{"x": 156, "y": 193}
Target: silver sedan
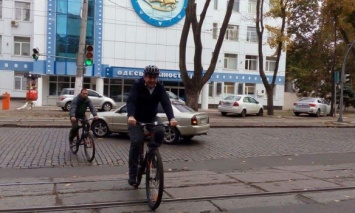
{"x": 190, "y": 123}
{"x": 311, "y": 106}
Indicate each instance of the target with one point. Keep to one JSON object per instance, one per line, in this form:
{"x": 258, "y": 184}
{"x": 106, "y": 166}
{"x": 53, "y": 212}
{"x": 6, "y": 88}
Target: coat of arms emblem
{"x": 163, "y": 5}
{"x": 160, "y": 13}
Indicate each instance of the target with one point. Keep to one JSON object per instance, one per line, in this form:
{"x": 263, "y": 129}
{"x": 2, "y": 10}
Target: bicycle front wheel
{"x": 154, "y": 179}
{"x": 89, "y": 147}
{"x": 74, "y": 146}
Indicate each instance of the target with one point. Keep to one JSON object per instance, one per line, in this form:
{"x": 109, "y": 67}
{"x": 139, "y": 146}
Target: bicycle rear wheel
{"x": 89, "y": 147}
{"x": 154, "y": 179}
{"x": 74, "y": 146}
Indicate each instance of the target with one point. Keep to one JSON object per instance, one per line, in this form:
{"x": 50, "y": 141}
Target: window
{"x": 235, "y": 6}
{"x": 22, "y": 46}
{"x": 210, "y": 89}
{"x": 20, "y": 83}
{"x": 251, "y": 34}
{"x": 232, "y": 32}
{"x": 249, "y": 89}
{"x": 0, "y": 43}
{"x": 252, "y": 7}
{"x": 215, "y": 31}
{"x": 270, "y": 63}
{"x": 0, "y": 9}
{"x": 230, "y": 61}
{"x": 251, "y": 62}
{"x": 22, "y": 11}
{"x": 58, "y": 83}
{"x": 228, "y": 88}
{"x": 219, "y": 88}
{"x": 216, "y": 4}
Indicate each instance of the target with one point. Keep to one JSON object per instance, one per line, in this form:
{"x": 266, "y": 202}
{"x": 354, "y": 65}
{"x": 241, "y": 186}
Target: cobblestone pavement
{"x": 48, "y": 147}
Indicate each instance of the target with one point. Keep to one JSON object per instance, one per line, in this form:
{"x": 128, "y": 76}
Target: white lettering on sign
{"x": 128, "y": 73}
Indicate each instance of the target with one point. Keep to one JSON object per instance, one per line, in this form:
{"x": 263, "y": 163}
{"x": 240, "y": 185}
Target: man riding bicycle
{"x": 142, "y": 106}
{"x": 77, "y": 111}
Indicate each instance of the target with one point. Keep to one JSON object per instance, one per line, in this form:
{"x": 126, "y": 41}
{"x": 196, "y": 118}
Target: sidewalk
{"x": 53, "y": 116}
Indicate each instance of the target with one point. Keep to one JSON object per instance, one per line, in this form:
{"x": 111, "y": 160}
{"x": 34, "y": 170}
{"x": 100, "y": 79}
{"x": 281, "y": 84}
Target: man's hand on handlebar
{"x": 173, "y": 122}
{"x": 132, "y": 120}
{"x": 96, "y": 117}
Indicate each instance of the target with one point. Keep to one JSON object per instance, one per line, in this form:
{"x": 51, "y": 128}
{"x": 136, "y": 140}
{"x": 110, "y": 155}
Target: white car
{"x": 99, "y": 101}
{"x": 240, "y": 104}
{"x": 190, "y": 123}
{"x": 311, "y": 106}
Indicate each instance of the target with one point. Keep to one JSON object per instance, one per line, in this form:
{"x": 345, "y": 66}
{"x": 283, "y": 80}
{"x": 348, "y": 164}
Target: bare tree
{"x": 194, "y": 85}
{"x": 279, "y": 42}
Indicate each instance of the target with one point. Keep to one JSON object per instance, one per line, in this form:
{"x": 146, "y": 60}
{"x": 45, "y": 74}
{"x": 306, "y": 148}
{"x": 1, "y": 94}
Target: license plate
{"x": 226, "y": 104}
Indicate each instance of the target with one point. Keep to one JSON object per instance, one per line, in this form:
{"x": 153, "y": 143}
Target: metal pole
{"x": 340, "y": 119}
{"x": 80, "y": 57}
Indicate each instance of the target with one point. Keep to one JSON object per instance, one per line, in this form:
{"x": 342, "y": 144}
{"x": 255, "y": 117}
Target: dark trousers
{"x": 136, "y": 134}
{"x": 74, "y": 128}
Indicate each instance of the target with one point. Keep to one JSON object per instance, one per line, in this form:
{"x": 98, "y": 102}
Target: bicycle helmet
{"x": 151, "y": 70}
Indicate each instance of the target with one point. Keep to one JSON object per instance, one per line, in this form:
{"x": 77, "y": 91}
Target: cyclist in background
{"x": 78, "y": 108}
{"x": 142, "y": 106}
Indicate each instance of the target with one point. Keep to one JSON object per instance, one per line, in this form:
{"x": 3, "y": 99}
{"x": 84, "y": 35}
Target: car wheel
{"x": 244, "y": 113}
{"x": 172, "y": 135}
{"x": 318, "y": 113}
{"x": 260, "y": 113}
{"x": 106, "y": 107}
{"x": 224, "y": 113}
{"x": 67, "y": 106}
{"x": 100, "y": 128}
{"x": 297, "y": 113}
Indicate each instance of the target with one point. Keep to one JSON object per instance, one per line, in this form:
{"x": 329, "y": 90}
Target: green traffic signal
{"x": 88, "y": 62}
{"x": 35, "y": 53}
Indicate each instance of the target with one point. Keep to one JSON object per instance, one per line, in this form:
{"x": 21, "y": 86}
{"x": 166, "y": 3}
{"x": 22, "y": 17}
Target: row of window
{"x": 236, "y": 5}
{"x": 251, "y": 62}
{"x": 232, "y": 33}
{"x": 22, "y": 11}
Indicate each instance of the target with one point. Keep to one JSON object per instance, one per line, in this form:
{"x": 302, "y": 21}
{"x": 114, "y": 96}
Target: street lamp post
{"x": 340, "y": 119}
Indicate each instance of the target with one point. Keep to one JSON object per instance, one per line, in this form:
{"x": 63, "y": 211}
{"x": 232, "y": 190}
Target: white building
{"x": 127, "y": 35}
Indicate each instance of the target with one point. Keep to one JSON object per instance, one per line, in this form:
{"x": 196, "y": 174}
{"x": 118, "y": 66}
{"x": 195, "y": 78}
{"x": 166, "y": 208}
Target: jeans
{"x": 136, "y": 134}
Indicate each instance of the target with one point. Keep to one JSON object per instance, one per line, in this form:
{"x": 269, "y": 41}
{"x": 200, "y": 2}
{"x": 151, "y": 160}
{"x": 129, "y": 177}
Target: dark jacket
{"x": 143, "y": 106}
{"x": 79, "y": 106}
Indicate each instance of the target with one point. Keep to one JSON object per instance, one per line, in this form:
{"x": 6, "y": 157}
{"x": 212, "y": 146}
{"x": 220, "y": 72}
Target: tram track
{"x": 102, "y": 205}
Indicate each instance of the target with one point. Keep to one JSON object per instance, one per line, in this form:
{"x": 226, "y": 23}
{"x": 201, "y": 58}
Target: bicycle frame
{"x": 85, "y": 139}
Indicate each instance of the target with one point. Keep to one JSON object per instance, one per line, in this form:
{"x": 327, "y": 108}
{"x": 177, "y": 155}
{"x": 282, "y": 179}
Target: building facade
{"x": 127, "y": 35}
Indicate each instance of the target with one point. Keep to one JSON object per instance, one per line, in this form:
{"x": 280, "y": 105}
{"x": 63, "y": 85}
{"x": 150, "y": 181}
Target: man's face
{"x": 84, "y": 94}
{"x": 151, "y": 80}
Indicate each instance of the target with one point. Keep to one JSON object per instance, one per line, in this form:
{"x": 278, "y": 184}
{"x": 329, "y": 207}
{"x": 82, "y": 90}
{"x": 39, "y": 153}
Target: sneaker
{"x": 132, "y": 180}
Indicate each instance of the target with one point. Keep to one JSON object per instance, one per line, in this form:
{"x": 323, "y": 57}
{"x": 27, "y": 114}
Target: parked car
{"x": 122, "y": 98}
{"x": 240, "y": 104}
{"x": 190, "y": 123}
{"x": 99, "y": 101}
{"x": 311, "y": 106}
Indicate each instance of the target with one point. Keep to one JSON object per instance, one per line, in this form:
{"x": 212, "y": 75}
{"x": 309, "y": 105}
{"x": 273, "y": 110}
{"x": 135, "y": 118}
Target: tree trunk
{"x": 191, "y": 97}
{"x": 270, "y": 100}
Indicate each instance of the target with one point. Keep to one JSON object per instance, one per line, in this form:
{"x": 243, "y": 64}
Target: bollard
{"x": 6, "y": 101}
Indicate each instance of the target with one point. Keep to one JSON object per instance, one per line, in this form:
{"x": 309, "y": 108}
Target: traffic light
{"x": 89, "y": 55}
{"x": 35, "y": 53}
{"x": 347, "y": 78}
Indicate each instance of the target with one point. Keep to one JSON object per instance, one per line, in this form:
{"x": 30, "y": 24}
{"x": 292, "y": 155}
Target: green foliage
{"x": 348, "y": 95}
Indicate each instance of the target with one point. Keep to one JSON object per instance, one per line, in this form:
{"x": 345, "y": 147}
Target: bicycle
{"x": 85, "y": 138}
{"x": 151, "y": 165}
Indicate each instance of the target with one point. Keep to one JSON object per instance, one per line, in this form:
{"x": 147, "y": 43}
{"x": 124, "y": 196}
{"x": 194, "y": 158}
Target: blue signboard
{"x": 160, "y": 13}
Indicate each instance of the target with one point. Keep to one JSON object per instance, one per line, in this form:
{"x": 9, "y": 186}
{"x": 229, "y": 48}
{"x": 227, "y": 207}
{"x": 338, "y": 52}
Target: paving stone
{"x": 296, "y": 185}
{"x": 261, "y": 177}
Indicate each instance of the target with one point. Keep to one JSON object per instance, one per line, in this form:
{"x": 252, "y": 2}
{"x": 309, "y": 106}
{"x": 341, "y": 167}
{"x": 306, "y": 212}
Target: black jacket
{"x": 79, "y": 106}
{"x": 143, "y": 106}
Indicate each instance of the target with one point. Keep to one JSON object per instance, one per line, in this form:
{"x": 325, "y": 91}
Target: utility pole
{"x": 80, "y": 56}
{"x": 340, "y": 119}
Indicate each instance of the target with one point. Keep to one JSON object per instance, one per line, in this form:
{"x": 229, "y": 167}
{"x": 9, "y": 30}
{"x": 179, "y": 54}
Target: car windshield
{"x": 67, "y": 92}
{"x": 233, "y": 98}
{"x": 172, "y": 95}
